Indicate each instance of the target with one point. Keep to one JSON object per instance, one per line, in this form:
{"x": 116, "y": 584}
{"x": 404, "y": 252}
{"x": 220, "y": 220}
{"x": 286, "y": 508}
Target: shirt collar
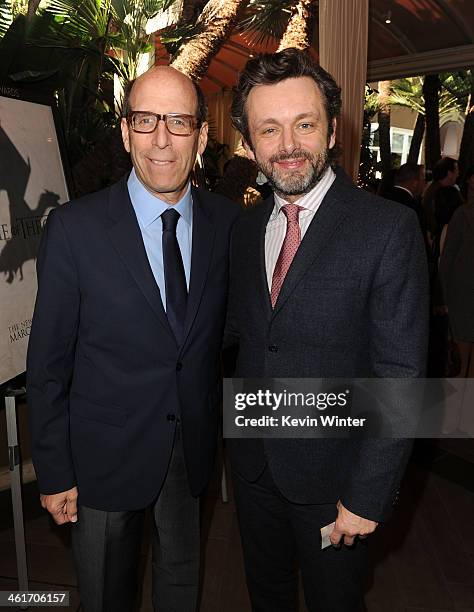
{"x": 149, "y": 207}
{"x": 312, "y": 199}
{"x": 404, "y": 189}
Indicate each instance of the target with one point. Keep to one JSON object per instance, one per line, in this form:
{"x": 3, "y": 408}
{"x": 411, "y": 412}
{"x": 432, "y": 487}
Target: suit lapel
{"x": 202, "y": 247}
{"x": 267, "y": 209}
{"x": 126, "y": 237}
{"x": 330, "y": 215}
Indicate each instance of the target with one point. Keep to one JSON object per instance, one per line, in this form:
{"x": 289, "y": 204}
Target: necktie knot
{"x": 291, "y": 212}
{"x": 170, "y": 219}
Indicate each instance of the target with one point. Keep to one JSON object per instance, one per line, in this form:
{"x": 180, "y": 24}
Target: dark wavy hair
{"x": 407, "y": 172}
{"x": 442, "y": 167}
{"x": 201, "y": 110}
{"x": 271, "y": 68}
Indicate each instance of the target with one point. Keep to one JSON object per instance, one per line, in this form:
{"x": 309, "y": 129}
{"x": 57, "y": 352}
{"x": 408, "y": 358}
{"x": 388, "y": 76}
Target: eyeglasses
{"x": 146, "y": 122}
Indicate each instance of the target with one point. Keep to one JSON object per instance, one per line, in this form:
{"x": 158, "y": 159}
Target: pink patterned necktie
{"x": 288, "y": 249}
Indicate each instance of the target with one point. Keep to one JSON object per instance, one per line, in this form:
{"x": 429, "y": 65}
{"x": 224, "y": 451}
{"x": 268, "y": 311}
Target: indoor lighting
{"x": 388, "y": 18}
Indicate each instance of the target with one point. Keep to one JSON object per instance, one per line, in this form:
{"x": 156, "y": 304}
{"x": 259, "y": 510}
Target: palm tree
{"x": 408, "y": 92}
{"x": 431, "y": 89}
{"x": 368, "y": 159}
{"x": 299, "y": 30}
{"x": 265, "y": 21}
{"x": 214, "y": 25}
{"x": 384, "y": 94}
{"x": 130, "y": 20}
{"x": 190, "y": 11}
{"x": 74, "y": 48}
{"x": 32, "y": 8}
{"x": 6, "y": 17}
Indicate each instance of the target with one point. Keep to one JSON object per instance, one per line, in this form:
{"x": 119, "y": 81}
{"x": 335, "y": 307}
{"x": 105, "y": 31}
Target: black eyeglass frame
{"x": 195, "y": 123}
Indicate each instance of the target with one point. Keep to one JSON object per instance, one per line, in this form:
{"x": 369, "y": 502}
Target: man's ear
{"x": 125, "y": 135}
{"x": 248, "y": 149}
{"x": 332, "y": 139}
{"x": 202, "y": 138}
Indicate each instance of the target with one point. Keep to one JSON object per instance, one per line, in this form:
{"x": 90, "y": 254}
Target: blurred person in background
{"x": 456, "y": 275}
{"x": 468, "y": 186}
{"x": 409, "y": 184}
{"x": 445, "y": 174}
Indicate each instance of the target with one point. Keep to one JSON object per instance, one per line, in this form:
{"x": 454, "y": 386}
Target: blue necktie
{"x": 175, "y": 279}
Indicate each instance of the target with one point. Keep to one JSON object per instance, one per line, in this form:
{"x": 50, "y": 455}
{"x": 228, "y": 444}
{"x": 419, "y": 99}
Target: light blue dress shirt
{"x": 148, "y": 209}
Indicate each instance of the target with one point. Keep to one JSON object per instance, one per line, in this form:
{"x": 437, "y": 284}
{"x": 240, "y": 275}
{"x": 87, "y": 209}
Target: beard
{"x": 299, "y": 182}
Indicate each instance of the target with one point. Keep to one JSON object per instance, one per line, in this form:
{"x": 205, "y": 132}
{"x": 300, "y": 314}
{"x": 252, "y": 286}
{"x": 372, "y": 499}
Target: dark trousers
{"x": 106, "y": 548}
{"x": 277, "y": 535}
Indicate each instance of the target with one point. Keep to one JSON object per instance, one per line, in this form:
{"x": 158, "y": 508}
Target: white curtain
{"x": 343, "y": 29}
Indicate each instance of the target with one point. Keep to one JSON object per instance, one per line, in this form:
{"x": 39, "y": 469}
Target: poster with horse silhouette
{"x": 32, "y": 182}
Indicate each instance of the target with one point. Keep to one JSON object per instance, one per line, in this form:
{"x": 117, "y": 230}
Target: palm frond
{"x": 408, "y": 92}
{"x": 6, "y": 16}
{"x": 32, "y": 76}
{"x": 400, "y": 100}
{"x": 148, "y": 8}
{"x": 151, "y": 8}
{"x": 173, "y": 37}
{"x": 85, "y": 18}
{"x": 265, "y": 20}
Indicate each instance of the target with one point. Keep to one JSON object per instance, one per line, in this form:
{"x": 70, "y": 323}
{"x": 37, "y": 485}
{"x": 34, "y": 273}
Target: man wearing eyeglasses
{"x": 123, "y": 355}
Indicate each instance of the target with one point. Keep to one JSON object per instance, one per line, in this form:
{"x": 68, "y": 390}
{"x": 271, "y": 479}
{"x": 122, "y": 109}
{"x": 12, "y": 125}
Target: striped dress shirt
{"x": 276, "y": 226}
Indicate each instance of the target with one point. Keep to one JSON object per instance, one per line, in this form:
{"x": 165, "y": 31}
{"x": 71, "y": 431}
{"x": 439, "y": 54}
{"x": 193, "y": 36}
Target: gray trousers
{"x": 106, "y": 549}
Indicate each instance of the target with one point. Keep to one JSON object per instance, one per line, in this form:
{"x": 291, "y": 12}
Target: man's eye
{"x": 268, "y": 131}
{"x": 146, "y": 120}
{"x": 306, "y": 126}
{"x": 177, "y": 121}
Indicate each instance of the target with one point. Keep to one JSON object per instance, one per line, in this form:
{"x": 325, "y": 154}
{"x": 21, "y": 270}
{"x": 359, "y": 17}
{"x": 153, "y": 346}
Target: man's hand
{"x": 61, "y": 506}
{"x": 349, "y": 525}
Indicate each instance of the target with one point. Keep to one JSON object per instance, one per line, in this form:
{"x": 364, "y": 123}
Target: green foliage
{"x": 9, "y": 10}
{"x": 408, "y": 92}
{"x": 265, "y": 20}
{"x": 452, "y": 99}
{"x": 174, "y": 36}
{"x": 74, "y": 49}
{"x": 130, "y": 21}
{"x": 371, "y": 104}
{"x": 19, "y": 7}
{"x": 6, "y": 16}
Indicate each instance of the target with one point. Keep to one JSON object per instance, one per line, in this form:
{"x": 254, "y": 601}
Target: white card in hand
{"x": 325, "y": 533}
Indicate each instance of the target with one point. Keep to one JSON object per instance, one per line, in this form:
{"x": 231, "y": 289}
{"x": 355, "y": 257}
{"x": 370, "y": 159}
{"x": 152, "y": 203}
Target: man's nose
{"x": 161, "y": 136}
{"x": 288, "y": 141}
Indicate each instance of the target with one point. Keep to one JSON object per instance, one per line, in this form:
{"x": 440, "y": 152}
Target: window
{"x": 400, "y": 140}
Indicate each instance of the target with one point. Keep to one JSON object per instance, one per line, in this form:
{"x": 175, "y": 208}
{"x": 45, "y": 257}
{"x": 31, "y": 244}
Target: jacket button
{"x": 273, "y": 348}
{"x": 179, "y": 366}
{"x": 171, "y": 417}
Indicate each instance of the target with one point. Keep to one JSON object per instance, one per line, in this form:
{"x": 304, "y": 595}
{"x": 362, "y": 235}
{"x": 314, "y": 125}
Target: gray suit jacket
{"x": 354, "y": 304}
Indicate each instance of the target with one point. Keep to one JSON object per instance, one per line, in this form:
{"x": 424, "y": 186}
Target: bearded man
{"x": 327, "y": 281}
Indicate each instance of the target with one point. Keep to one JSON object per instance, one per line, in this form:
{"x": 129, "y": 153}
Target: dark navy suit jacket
{"x": 106, "y": 379}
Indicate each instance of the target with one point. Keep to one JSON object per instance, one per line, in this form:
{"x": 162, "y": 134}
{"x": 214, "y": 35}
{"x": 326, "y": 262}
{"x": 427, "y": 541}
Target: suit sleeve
{"x": 50, "y": 358}
{"x": 398, "y": 312}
